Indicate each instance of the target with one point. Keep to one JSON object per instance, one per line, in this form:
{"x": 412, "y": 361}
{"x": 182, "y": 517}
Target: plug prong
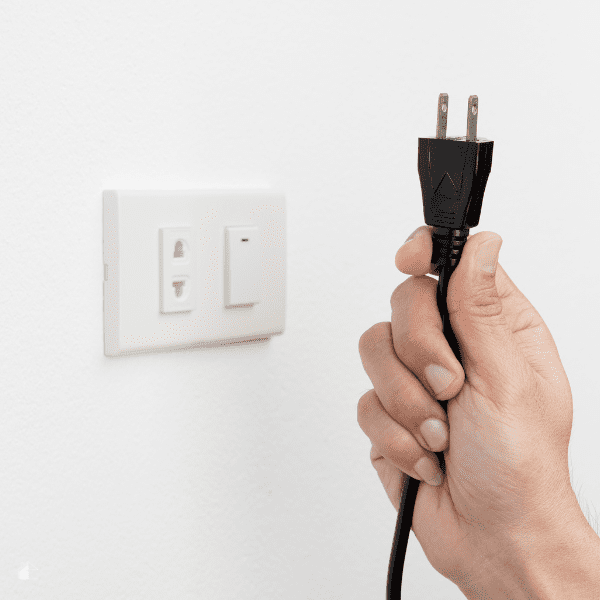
{"x": 472, "y": 119}
{"x": 442, "y": 117}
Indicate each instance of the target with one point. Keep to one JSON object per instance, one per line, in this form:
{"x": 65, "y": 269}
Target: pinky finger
{"x": 391, "y": 477}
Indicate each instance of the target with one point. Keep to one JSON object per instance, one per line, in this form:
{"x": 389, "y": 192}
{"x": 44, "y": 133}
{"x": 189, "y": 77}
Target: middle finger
{"x": 399, "y": 391}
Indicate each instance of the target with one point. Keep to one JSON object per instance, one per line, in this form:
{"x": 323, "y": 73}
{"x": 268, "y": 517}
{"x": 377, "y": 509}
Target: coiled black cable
{"x": 448, "y": 245}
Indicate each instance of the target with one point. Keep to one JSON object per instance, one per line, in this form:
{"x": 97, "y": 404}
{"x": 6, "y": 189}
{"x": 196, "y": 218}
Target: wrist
{"x": 556, "y": 562}
{"x": 568, "y": 565}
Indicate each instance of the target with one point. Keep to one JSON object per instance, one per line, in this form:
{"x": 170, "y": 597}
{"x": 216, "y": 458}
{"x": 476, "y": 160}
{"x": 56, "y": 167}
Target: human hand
{"x": 507, "y": 490}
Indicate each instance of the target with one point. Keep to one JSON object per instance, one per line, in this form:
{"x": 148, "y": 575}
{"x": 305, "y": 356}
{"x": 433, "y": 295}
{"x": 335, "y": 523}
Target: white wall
{"x": 241, "y": 472}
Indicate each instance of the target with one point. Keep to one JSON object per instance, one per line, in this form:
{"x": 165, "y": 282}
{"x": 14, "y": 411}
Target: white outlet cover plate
{"x": 133, "y": 321}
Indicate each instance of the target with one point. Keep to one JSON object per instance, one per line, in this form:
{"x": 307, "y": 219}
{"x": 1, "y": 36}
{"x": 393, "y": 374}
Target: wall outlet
{"x": 177, "y": 293}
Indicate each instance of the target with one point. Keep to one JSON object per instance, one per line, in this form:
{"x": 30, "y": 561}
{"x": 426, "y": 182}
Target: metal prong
{"x": 472, "y": 119}
{"x": 442, "y": 119}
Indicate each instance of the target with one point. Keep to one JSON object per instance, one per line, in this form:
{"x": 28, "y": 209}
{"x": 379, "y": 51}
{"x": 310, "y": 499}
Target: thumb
{"x": 491, "y": 355}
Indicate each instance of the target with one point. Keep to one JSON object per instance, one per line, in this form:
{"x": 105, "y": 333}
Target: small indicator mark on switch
{"x": 244, "y": 239}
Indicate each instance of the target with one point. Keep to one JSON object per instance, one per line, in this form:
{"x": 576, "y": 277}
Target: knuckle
{"x": 414, "y": 297}
{"x": 375, "y": 336}
{"x": 416, "y": 284}
{"x": 413, "y": 343}
{"x": 401, "y": 452}
{"x": 364, "y": 403}
{"x": 410, "y": 304}
{"x": 399, "y": 291}
{"x": 483, "y": 302}
{"x": 414, "y": 339}
{"x": 375, "y": 454}
{"x": 396, "y": 399}
{"x": 365, "y": 407}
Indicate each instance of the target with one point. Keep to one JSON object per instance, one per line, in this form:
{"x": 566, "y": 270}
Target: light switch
{"x": 242, "y": 266}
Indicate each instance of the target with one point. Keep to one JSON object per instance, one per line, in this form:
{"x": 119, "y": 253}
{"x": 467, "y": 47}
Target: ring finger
{"x": 395, "y": 443}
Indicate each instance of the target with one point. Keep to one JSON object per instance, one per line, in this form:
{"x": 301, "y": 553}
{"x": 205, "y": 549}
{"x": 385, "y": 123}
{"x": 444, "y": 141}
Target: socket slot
{"x": 181, "y": 252}
{"x": 181, "y": 288}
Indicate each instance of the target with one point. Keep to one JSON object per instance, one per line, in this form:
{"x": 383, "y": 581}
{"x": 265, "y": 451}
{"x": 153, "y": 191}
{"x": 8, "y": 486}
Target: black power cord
{"x": 453, "y": 174}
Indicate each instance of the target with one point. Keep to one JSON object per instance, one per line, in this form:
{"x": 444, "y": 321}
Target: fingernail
{"x": 435, "y": 433}
{"x": 487, "y": 255}
{"x": 438, "y": 377}
{"x": 411, "y": 237}
{"x": 428, "y": 471}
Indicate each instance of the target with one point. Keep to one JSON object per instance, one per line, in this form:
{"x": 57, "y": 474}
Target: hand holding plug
{"x": 469, "y": 351}
{"x": 510, "y": 411}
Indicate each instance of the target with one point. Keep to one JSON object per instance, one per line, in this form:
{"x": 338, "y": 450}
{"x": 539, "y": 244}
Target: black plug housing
{"x": 453, "y": 174}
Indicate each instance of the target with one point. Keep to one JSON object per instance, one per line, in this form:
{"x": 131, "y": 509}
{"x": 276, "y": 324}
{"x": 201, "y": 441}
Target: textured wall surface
{"x": 241, "y": 472}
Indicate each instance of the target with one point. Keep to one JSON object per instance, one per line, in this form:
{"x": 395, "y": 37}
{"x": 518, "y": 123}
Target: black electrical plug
{"x": 453, "y": 174}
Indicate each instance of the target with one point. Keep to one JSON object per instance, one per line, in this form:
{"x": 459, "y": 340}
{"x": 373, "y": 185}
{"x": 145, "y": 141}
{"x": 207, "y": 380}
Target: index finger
{"x": 535, "y": 339}
{"x": 414, "y": 256}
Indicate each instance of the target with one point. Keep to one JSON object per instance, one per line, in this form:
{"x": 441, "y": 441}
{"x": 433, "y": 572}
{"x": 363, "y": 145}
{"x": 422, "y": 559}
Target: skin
{"x": 505, "y": 519}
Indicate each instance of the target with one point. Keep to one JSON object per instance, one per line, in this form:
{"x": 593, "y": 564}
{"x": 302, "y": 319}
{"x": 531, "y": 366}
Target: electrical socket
{"x": 177, "y": 289}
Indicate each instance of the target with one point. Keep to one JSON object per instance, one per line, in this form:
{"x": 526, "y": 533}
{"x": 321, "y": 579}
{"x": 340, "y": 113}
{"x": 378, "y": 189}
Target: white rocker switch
{"x": 242, "y": 266}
